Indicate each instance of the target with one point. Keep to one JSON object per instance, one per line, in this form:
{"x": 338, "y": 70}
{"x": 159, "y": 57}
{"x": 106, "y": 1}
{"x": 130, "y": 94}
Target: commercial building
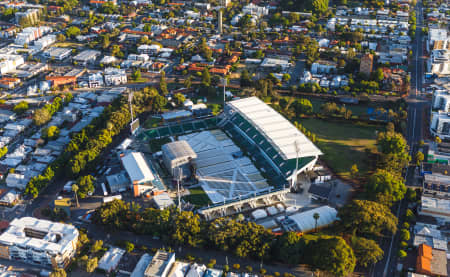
{"x": 161, "y": 264}
{"x": 366, "y": 64}
{"x": 431, "y": 262}
{"x": 137, "y": 168}
{"x": 57, "y": 53}
{"x": 87, "y": 56}
{"x": 115, "y": 76}
{"x": 287, "y": 150}
{"x": 9, "y": 62}
{"x": 440, "y": 124}
{"x": 38, "y": 241}
{"x": 441, "y": 100}
{"x": 162, "y": 201}
{"x": 111, "y": 259}
{"x": 438, "y": 208}
{"x": 178, "y": 154}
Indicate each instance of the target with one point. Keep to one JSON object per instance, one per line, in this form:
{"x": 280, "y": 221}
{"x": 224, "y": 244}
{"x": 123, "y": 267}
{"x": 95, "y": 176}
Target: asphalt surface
{"x": 417, "y": 105}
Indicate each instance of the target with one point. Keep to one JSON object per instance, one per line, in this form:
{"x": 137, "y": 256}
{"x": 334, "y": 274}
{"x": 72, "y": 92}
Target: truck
{"x": 112, "y": 198}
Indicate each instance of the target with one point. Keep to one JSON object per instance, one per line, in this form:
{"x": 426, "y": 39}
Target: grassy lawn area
{"x": 67, "y": 44}
{"x": 198, "y": 197}
{"x": 343, "y": 144}
{"x": 156, "y": 144}
{"x": 152, "y": 122}
{"x": 359, "y": 110}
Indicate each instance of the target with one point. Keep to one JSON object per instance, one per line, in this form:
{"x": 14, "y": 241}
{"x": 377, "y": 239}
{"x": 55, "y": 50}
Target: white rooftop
{"x": 15, "y": 234}
{"x": 281, "y": 133}
{"x": 111, "y": 259}
{"x": 137, "y": 167}
{"x": 305, "y": 221}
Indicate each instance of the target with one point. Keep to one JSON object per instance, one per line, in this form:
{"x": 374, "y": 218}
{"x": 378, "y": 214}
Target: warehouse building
{"x": 143, "y": 176}
{"x": 38, "y": 241}
{"x": 160, "y": 265}
{"x": 87, "y": 56}
{"x": 178, "y": 154}
{"x": 268, "y": 135}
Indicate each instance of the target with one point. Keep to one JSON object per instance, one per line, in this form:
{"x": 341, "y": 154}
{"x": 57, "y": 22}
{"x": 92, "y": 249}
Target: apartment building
{"x": 38, "y": 241}
{"x": 115, "y": 76}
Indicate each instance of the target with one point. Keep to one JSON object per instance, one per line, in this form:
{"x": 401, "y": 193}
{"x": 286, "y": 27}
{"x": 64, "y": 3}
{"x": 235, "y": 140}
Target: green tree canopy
{"x": 73, "y": 31}
{"x": 385, "y": 183}
{"x": 367, "y": 218}
{"x": 367, "y": 251}
{"x": 21, "y": 107}
{"x": 50, "y": 133}
{"x": 85, "y": 185}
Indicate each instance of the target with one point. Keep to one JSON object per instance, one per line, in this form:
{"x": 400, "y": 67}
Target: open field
{"x": 343, "y": 144}
{"x": 197, "y": 197}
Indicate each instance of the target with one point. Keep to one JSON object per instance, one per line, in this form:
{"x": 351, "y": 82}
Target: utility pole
{"x": 130, "y": 99}
{"x": 179, "y": 176}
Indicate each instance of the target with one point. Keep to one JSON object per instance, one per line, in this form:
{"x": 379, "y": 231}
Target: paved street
{"x": 417, "y": 107}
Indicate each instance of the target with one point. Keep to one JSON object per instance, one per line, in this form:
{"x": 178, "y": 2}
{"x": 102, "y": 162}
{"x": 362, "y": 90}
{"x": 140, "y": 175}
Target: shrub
{"x": 401, "y": 254}
{"x": 249, "y": 268}
{"x": 236, "y": 266}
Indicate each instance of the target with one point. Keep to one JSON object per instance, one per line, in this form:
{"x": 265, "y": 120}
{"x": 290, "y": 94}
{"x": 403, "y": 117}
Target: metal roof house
{"x": 267, "y": 133}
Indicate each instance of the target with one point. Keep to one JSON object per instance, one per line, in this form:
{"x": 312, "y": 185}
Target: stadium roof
{"x": 178, "y": 149}
{"x": 277, "y": 130}
{"x": 137, "y": 168}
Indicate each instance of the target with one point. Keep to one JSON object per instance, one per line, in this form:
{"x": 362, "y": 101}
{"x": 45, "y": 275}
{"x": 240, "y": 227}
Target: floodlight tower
{"x": 220, "y": 23}
{"x": 297, "y": 151}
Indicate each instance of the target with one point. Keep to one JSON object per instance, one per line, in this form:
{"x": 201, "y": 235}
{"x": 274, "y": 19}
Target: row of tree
{"x": 85, "y": 147}
{"x": 244, "y": 239}
{"x": 43, "y": 115}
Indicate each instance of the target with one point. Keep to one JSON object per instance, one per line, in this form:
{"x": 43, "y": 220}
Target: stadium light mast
{"x": 130, "y": 98}
{"x": 297, "y": 150}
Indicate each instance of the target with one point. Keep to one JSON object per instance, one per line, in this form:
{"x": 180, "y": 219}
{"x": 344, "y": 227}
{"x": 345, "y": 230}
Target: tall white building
{"x": 255, "y": 10}
{"x": 38, "y": 241}
{"x": 441, "y": 100}
{"x": 9, "y": 62}
{"x": 115, "y": 76}
{"x": 440, "y": 124}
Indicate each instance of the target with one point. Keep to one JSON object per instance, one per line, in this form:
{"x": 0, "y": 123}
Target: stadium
{"x": 247, "y": 151}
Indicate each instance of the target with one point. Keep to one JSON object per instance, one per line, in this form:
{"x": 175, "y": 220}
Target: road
{"x": 415, "y": 129}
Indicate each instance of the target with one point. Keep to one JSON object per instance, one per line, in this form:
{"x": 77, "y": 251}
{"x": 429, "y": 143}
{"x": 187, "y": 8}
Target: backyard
{"x": 343, "y": 144}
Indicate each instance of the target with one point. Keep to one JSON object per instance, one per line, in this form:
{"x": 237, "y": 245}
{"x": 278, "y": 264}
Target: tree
{"x": 163, "y": 84}
{"x": 438, "y": 140}
{"x": 378, "y": 74}
{"x": 402, "y": 254}
{"x": 136, "y": 75}
{"x": 188, "y": 82}
{"x": 59, "y": 272}
{"x": 206, "y": 77}
{"x": 159, "y": 102}
{"x": 41, "y": 116}
{"x": 245, "y": 78}
{"x": 116, "y": 52}
{"x": 3, "y": 151}
{"x": 50, "y": 133}
{"x": 97, "y": 246}
{"x": 404, "y": 234}
{"x": 75, "y": 189}
{"x": 286, "y": 77}
{"x": 419, "y": 157}
{"x": 320, "y": 6}
{"x": 367, "y": 251}
{"x": 91, "y": 264}
{"x": 85, "y": 185}
{"x": 21, "y": 107}
{"x": 332, "y": 254}
{"x": 354, "y": 170}
{"x": 385, "y": 183}
{"x": 366, "y": 217}
{"x": 179, "y": 99}
{"x": 72, "y": 32}
{"x": 316, "y": 217}
{"x": 60, "y": 37}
